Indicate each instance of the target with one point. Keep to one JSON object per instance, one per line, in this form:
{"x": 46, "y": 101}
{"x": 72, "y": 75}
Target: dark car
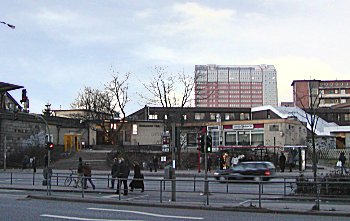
{"x": 248, "y": 170}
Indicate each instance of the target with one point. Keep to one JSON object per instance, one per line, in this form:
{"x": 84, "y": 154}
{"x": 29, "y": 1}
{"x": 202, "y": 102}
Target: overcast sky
{"x": 58, "y": 47}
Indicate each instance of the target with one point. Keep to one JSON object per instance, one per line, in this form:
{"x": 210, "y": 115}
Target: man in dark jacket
{"x": 114, "y": 171}
{"x": 122, "y": 175}
{"x": 282, "y": 162}
{"x": 342, "y": 159}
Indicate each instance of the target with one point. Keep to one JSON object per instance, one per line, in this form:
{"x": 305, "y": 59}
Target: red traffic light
{"x": 49, "y": 145}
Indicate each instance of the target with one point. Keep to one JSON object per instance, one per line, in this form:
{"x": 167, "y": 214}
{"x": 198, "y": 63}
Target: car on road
{"x": 253, "y": 170}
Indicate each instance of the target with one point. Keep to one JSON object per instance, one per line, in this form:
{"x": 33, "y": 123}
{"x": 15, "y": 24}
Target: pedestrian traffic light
{"x": 49, "y": 146}
{"x": 209, "y": 144}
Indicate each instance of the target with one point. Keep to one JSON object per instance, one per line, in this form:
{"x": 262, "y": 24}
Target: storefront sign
{"x": 243, "y": 127}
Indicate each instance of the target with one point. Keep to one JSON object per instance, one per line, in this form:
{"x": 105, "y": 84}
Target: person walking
{"x": 114, "y": 172}
{"x": 122, "y": 175}
{"x": 209, "y": 163}
{"x": 137, "y": 181}
{"x": 155, "y": 163}
{"x": 87, "y": 176}
{"x": 342, "y": 159}
{"x": 80, "y": 171}
{"x": 282, "y": 162}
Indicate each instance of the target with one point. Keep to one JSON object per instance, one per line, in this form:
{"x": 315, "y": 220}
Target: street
{"x": 15, "y": 206}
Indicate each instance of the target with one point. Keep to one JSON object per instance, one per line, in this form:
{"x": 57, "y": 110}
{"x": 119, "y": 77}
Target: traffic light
{"x": 24, "y": 96}
{"x": 202, "y": 143}
{"x": 209, "y": 144}
{"x": 49, "y": 146}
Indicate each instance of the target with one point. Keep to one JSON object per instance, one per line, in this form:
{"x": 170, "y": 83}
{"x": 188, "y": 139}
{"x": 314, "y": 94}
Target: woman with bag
{"x": 137, "y": 181}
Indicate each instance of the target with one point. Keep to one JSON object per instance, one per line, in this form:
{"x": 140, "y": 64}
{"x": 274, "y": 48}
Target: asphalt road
{"x": 15, "y": 206}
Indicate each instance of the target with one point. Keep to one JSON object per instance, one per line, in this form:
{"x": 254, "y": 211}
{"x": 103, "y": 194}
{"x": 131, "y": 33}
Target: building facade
{"x": 329, "y": 93}
{"x": 235, "y": 86}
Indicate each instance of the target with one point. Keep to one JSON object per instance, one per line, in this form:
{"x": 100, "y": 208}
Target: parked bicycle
{"x": 72, "y": 178}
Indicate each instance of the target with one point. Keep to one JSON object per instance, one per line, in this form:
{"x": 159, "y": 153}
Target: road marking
{"x": 129, "y": 198}
{"x": 81, "y": 218}
{"x": 148, "y": 214}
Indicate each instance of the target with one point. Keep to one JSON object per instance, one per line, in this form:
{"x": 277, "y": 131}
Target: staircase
{"x": 96, "y": 158}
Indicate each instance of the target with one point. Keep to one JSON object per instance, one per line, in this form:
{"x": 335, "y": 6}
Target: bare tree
{"x": 105, "y": 108}
{"x": 310, "y": 103}
{"x": 169, "y": 91}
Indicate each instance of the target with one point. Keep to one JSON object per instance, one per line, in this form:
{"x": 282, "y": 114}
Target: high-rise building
{"x": 235, "y": 85}
{"x": 327, "y": 93}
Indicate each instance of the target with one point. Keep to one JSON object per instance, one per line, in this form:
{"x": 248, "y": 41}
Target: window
{"x": 229, "y": 116}
{"x": 153, "y": 117}
{"x": 134, "y": 129}
{"x": 257, "y": 138}
{"x": 230, "y": 139}
{"x": 192, "y": 139}
{"x": 243, "y": 138}
{"x": 199, "y": 116}
{"x": 274, "y": 128}
{"x": 212, "y": 116}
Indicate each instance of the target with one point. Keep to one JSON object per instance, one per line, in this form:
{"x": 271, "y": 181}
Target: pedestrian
{"x": 87, "y": 176}
{"x": 122, "y": 175}
{"x": 80, "y": 171}
{"x": 234, "y": 160}
{"x": 342, "y": 159}
{"x": 137, "y": 181}
{"x": 34, "y": 164}
{"x": 209, "y": 163}
{"x": 155, "y": 163}
{"x": 114, "y": 171}
{"x": 282, "y": 162}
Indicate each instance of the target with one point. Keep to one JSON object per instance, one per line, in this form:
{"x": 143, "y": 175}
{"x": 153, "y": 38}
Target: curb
{"x": 177, "y": 206}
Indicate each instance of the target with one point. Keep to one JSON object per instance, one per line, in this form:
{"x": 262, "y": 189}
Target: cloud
{"x": 290, "y": 68}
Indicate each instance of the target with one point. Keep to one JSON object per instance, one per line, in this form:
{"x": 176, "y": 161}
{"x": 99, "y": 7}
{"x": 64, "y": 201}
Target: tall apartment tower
{"x": 235, "y": 85}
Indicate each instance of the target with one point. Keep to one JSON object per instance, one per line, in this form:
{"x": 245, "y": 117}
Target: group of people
{"x": 120, "y": 171}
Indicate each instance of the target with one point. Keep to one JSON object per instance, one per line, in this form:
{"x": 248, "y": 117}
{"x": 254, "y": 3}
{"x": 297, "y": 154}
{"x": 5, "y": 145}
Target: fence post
{"x": 82, "y": 186}
{"x": 161, "y": 191}
{"x": 207, "y": 185}
{"x": 259, "y": 194}
{"x": 194, "y": 183}
{"x": 33, "y": 178}
{"x": 11, "y": 178}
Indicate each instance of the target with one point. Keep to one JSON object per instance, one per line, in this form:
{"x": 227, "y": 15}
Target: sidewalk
{"x": 287, "y": 204}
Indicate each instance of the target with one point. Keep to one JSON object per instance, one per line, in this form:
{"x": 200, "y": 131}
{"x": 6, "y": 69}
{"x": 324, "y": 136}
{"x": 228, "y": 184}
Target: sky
{"x": 60, "y": 46}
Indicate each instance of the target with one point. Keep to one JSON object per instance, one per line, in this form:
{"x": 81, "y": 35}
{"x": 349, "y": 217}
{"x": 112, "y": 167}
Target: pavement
{"x": 288, "y": 204}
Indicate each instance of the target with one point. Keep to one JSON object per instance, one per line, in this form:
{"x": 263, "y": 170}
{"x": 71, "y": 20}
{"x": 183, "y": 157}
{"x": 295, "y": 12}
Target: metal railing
{"x": 192, "y": 188}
